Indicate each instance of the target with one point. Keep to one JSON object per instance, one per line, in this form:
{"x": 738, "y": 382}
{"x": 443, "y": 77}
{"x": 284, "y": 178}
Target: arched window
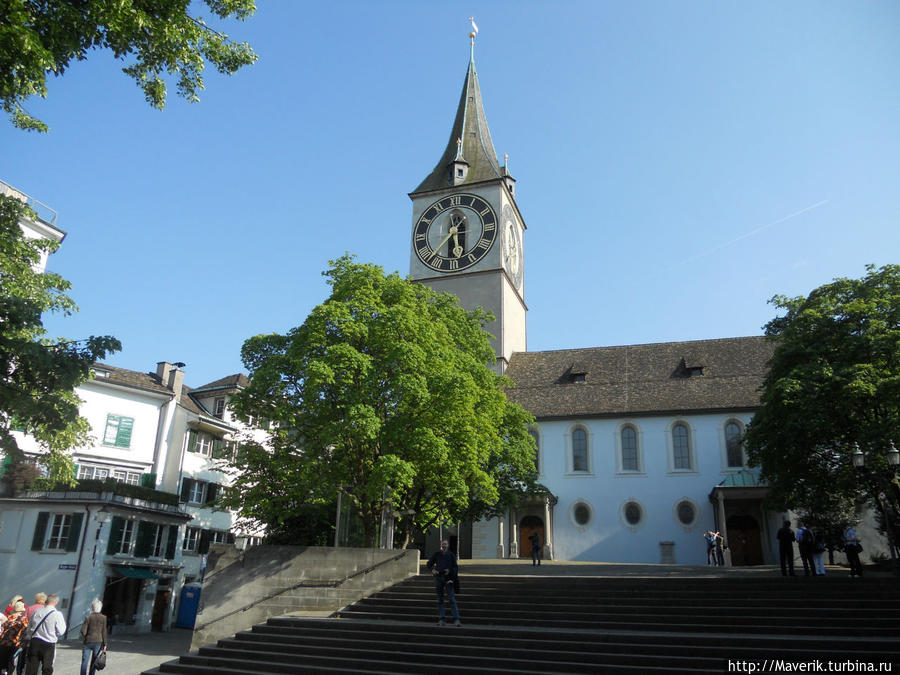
{"x": 733, "y": 447}
{"x": 579, "y": 450}
{"x": 681, "y": 449}
{"x": 537, "y": 449}
{"x": 629, "y": 449}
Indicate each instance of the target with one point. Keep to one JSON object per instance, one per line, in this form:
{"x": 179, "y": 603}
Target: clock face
{"x": 512, "y": 247}
{"x": 455, "y": 232}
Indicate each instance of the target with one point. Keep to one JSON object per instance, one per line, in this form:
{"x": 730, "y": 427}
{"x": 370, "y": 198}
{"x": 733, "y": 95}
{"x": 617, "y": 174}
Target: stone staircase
{"x": 566, "y": 624}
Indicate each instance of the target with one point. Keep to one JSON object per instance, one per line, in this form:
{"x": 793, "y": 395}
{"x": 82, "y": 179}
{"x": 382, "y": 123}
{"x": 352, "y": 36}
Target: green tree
{"x": 38, "y": 375}
{"x": 156, "y": 38}
{"x": 833, "y": 385}
{"x": 383, "y": 392}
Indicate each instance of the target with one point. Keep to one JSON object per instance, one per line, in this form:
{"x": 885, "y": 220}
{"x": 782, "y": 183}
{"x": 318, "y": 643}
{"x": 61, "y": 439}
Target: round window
{"x": 581, "y": 512}
{"x": 633, "y": 513}
{"x": 686, "y": 512}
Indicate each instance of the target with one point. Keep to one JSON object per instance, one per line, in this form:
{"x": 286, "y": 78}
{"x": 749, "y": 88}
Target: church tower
{"x": 467, "y": 231}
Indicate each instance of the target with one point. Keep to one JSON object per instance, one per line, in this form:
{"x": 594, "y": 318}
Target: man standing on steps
{"x": 445, "y": 570}
{"x": 786, "y": 549}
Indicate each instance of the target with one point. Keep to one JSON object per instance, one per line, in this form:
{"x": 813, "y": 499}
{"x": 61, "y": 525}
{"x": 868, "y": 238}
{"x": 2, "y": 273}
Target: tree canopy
{"x": 37, "y": 374}
{"x": 156, "y": 38}
{"x": 385, "y": 393}
{"x": 833, "y": 386}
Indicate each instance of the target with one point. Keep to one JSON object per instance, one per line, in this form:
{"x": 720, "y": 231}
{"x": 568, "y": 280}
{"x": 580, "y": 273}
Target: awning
{"x": 135, "y": 572}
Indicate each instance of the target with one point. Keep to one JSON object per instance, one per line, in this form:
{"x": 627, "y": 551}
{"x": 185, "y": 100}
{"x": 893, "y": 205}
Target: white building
{"x": 141, "y": 520}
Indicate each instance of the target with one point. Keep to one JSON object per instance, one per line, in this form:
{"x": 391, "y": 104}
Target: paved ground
{"x": 132, "y": 654}
{"x": 128, "y": 654}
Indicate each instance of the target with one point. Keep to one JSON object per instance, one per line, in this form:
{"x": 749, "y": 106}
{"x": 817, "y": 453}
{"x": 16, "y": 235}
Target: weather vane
{"x": 474, "y": 31}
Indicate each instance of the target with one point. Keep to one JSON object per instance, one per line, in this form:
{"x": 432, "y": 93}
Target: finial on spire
{"x": 474, "y": 31}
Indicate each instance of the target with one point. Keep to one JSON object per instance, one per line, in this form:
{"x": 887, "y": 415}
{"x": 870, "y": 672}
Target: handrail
{"x": 302, "y": 584}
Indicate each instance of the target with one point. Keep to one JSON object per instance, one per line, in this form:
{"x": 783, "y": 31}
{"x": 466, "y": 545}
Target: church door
{"x": 528, "y": 526}
{"x": 744, "y": 539}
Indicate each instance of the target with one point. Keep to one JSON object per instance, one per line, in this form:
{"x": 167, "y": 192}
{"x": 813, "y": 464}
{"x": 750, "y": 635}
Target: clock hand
{"x": 457, "y": 249}
{"x": 443, "y": 241}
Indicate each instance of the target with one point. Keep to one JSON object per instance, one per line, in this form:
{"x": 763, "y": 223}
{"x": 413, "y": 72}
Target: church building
{"x": 637, "y": 444}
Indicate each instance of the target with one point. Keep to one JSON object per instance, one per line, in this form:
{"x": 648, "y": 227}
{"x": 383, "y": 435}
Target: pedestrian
{"x": 786, "y": 549}
{"x": 47, "y": 626}
{"x": 11, "y": 636}
{"x": 445, "y": 570}
{"x": 535, "y": 540}
{"x": 853, "y": 548}
{"x": 806, "y": 543}
{"x": 93, "y": 635}
{"x": 40, "y": 599}
{"x": 720, "y": 549}
{"x": 710, "y": 539}
{"x": 12, "y": 603}
{"x": 819, "y": 552}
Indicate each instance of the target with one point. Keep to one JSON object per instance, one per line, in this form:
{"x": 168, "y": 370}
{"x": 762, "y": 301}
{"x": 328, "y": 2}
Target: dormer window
{"x": 577, "y": 373}
{"x": 219, "y": 407}
{"x": 685, "y": 370}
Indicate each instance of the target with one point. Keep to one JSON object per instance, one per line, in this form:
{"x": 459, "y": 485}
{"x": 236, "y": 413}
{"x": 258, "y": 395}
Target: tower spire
{"x": 469, "y": 156}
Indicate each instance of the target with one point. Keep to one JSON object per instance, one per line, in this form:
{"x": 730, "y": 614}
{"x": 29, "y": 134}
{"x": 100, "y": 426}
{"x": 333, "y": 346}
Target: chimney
{"x": 176, "y": 380}
{"x": 170, "y": 375}
{"x": 162, "y": 371}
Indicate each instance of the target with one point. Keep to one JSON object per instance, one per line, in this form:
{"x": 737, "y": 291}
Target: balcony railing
{"x": 44, "y": 213}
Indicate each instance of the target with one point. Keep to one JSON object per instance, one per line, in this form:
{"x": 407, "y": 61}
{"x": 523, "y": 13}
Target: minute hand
{"x": 452, "y": 231}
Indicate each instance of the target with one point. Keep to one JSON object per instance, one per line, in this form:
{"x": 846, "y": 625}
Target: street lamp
{"x": 858, "y": 457}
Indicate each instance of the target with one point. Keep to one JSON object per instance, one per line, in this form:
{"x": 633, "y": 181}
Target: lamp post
{"x": 893, "y": 458}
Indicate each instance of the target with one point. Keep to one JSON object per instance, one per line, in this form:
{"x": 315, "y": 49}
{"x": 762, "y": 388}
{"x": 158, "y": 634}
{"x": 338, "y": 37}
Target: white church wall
{"x": 657, "y": 487}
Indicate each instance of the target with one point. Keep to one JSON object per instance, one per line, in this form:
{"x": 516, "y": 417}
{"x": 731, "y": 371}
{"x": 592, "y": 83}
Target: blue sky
{"x": 677, "y": 164}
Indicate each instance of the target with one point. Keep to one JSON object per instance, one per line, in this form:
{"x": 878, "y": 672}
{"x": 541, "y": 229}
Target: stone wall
{"x": 243, "y": 588}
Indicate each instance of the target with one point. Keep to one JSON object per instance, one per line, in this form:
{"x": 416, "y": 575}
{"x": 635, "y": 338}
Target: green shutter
{"x": 74, "y": 532}
{"x": 211, "y": 490}
{"x": 217, "y": 448}
{"x": 115, "y": 533}
{"x": 148, "y": 480}
{"x": 37, "y": 543}
{"x": 123, "y": 436}
{"x": 205, "y": 536}
{"x": 170, "y": 545}
{"x": 193, "y": 441}
{"x": 186, "y": 484}
{"x": 144, "y": 539}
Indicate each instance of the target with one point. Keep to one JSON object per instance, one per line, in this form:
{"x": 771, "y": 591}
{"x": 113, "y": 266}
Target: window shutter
{"x": 148, "y": 480}
{"x": 170, "y": 546}
{"x": 205, "y": 536}
{"x": 212, "y": 490}
{"x": 74, "y": 532}
{"x": 144, "y": 539}
{"x": 186, "y": 484}
{"x": 123, "y": 435}
{"x": 218, "y": 447}
{"x": 37, "y": 543}
{"x": 193, "y": 441}
{"x": 229, "y": 538}
{"x": 115, "y": 532}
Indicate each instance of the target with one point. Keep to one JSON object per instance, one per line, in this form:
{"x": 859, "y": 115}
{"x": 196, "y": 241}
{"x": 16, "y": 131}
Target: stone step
{"x": 574, "y": 625}
{"x": 293, "y": 631}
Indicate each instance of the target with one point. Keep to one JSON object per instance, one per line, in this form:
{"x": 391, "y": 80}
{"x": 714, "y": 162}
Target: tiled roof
{"x": 668, "y": 377}
{"x": 239, "y": 380}
{"x": 129, "y": 378}
{"x": 188, "y": 403}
